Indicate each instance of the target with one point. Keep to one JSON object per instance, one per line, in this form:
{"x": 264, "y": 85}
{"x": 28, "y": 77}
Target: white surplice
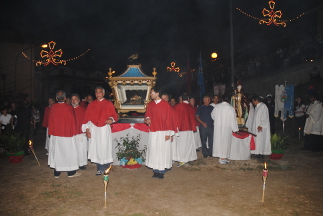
{"x": 185, "y": 147}
{"x": 313, "y": 123}
{"x": 225, "y": 123}
{"x": 262, "y": 140}
{"x": 197, "y": 138}
{"x": 47, "y": 140}
{"x": 159, "y": 151}
{"x": 81, "y": 144}
{"x": 250, "y": 117}
{"x": 63, "y": 154}
{"x": 100, "y": 144}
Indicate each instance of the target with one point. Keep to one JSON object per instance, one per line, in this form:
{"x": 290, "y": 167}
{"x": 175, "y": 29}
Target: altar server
{"x": 51, "y": 101}
{"x": 80, "y": 138}
{"x": 185, "y": 149}
{"x": 62, "y": 146}
{"x": 261, "y": 127}
{"x": 96, "y": 123}
{"x": 160, "y": 118}
{"x": 225, "y": 123}
{"x": 197, "y": 135}
{"x": 313, "y": 125}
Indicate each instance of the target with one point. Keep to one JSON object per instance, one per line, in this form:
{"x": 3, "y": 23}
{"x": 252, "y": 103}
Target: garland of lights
{"x": 51, "y": 56}
{"x": 273, "y": 15}
{"x": 172, "y": 68}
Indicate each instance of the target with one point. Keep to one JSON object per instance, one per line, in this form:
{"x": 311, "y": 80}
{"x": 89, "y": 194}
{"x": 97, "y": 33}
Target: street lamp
{"x": 15, "y": 75}
{"x": 214, "y": 56}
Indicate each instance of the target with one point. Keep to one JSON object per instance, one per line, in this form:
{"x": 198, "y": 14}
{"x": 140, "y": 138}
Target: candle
{"x": 265, "y": 171}
{"x": 32, "y": 150}
{"x": 299, "y": 133}
{"x": 264, "y": 178}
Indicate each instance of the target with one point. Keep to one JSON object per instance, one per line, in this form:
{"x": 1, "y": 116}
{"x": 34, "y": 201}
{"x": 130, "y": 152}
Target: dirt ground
{"x": 294, "y": 187}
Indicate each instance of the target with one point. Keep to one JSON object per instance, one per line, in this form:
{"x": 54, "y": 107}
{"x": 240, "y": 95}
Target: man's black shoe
{"x": 156, "y": 175}
{"x": 205, "y": 156}
{"x": 82, "y": 168}
{"x": 161, "y": 176}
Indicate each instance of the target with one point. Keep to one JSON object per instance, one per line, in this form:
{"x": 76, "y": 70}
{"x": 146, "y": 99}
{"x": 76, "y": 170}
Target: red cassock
{"x": 46, "y": 115}
{"x": 61, "y": 121}
{"x": 186, "y": 117}
{"x": 196, "y": 122}
{"x": 83, "y": 104}
{"x": 98, "y": 112}
{"x": 79, "y": 115}
{"x": 161, "y": 116}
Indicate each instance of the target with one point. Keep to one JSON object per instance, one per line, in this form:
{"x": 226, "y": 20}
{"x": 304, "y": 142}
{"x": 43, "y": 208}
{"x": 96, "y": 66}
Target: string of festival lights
{"x": 50, "y": 56}
{"x": 272, "y": 14}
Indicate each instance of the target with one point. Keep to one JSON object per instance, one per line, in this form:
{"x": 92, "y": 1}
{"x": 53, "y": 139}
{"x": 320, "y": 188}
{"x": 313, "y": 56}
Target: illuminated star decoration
{"x": 51, "y": 56}
{"x": 172, "y": 68}
{"x": 272, "y": 16}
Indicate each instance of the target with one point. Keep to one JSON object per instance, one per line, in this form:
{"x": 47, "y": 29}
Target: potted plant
{"x": 278, "y": 145}
{"x": 128, "y": 152}
{"x": 13, "y": 142}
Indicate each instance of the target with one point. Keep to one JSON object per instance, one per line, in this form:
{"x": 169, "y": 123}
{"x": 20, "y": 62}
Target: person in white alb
{"x": 225, "y": 123}
{"x": 261, "y": 127}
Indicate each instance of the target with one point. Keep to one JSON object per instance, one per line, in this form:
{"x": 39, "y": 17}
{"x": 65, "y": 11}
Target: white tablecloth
{"x": 240, "y": 148}
{"x": 132, "y": 132}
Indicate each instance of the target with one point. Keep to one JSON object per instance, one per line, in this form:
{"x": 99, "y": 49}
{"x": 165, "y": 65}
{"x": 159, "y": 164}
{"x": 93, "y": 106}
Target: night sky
{"x": 160, "y": 31}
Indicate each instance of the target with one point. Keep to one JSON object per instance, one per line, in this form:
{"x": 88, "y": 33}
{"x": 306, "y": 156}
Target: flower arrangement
{"x": 128, "y": 149}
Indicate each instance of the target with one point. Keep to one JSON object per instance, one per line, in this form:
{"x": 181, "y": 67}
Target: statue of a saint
{"x": 238, "y": 101}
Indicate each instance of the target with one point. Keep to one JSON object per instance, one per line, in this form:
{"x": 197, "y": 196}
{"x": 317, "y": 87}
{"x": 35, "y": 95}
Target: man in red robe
{"x": 197, "y": 136}
{"x": 62, "y": 129}
{"x": 83, "y": 102}
{"x": 160, "y": 118}
{"x": 185, "y": 149}
{"x": 80, "y": 138}
{"x": 96, "y": 123}
{"x": 51, "y": 101}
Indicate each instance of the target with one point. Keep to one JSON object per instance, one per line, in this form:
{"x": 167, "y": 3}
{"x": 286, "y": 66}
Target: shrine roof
{"x": 133, "y": 71}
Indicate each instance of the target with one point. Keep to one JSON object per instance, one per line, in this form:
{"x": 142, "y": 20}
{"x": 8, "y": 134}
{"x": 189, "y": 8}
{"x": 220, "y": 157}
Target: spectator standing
{"x": 203, "y": 116}
{"x": 271, "y": 110}
{"x": 300, "y": 110}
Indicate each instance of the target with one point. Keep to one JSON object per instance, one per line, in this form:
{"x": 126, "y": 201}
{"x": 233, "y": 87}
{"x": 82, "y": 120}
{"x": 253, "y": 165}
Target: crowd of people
{"x": 78, "y": 130}
{"x": 23, "y": 118}
{"x": 178, "y": 130}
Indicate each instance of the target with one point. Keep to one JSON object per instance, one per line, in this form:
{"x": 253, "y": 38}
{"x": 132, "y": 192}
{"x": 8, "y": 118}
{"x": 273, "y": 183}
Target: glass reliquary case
{"x": 131, "y": 89}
